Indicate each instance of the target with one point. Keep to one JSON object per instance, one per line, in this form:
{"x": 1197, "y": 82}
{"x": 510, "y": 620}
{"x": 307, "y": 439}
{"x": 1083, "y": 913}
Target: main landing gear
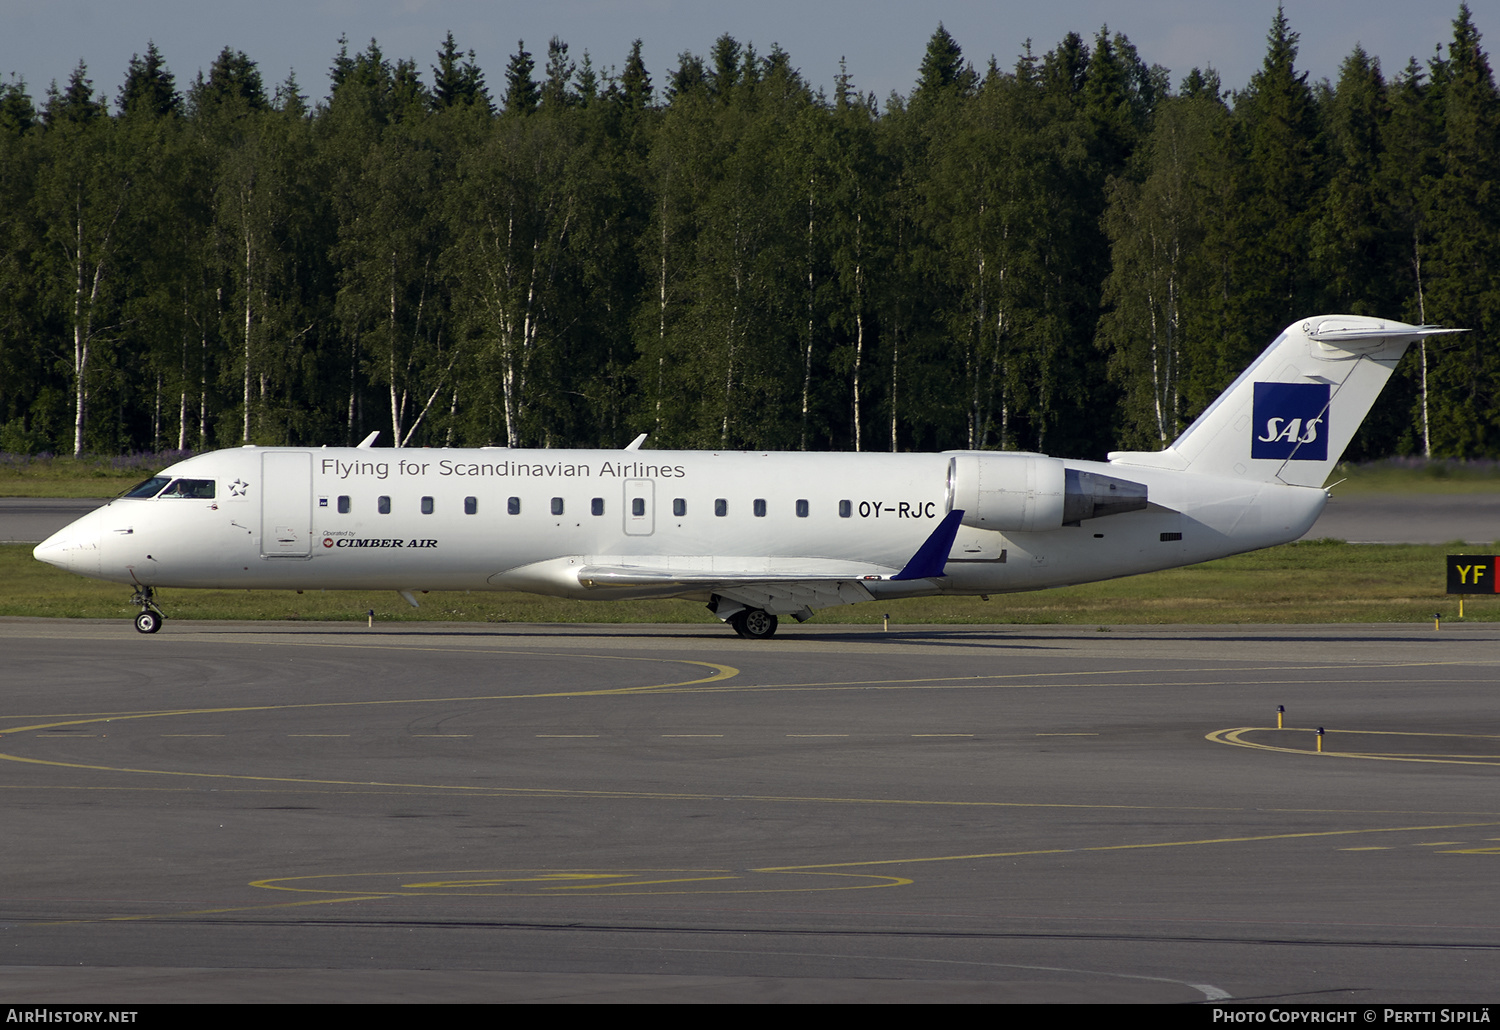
{"x": 754, "y": 624}
{"x": 750, "y": 623}
{"x": 151, "y": 617}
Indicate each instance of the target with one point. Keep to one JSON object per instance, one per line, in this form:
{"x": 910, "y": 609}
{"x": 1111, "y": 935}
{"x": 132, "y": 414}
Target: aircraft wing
{"x": 779, "y": 586}
{"x": 716, "y": 570}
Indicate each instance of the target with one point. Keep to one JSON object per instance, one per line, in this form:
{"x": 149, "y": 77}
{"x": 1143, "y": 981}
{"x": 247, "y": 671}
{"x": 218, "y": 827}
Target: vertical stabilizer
{"x": 1290, "y": 415}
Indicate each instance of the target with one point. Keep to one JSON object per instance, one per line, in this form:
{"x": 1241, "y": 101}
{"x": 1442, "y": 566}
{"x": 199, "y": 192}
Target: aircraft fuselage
{"x": 498, "y": 519}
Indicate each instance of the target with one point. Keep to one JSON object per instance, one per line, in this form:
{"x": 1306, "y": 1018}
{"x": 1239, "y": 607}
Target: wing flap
{"x": 791, "y": 598}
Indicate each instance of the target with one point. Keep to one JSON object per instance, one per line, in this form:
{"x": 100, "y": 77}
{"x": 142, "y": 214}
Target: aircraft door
{"x": 640, "y": 507}
{"x": 286, "y": 504}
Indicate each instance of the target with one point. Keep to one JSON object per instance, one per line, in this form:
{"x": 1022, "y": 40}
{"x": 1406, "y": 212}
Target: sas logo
{"x": 1291, "y": 421}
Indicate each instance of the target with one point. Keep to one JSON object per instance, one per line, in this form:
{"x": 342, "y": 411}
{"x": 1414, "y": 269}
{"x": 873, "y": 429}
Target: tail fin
{"x": 1289, "y": 416}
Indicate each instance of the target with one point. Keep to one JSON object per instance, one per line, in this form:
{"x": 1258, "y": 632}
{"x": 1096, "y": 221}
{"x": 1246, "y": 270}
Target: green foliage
{"x": 1062, "y": 254}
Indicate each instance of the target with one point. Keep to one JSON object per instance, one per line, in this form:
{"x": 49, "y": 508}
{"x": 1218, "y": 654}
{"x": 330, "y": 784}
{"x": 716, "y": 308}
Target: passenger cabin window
{"x": 471, "y": 505}
{"x": 344, "y": 504}
{"x": 721, "y": 507}
{"x": 513, "y": 506}
{"x": 427, "y": 506}
{"x": 760, "y": 508}
{"x": 150, "y": 488}
{"x": 802, "y": 509}
{"x": 197, "y": 489}
{"x": 638, "y": 506}
{"x": 597, "y": 506}
{"x": 679, "y": 506}
{"x": 845, "y": 509}
{"x": 557, "y": 506}
{"x": 383, "y": 505}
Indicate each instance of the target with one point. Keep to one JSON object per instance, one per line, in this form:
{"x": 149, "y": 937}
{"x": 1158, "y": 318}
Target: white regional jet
{"x": 754, "y": 535}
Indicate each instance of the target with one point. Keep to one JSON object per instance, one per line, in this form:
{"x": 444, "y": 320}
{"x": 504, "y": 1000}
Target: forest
{"x": 1068, "y": 254}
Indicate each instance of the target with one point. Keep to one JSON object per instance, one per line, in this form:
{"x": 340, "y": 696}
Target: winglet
{"x": 932, "y": 556}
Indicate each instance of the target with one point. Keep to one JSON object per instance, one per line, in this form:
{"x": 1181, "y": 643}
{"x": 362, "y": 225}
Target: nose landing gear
{"x": 151, "y": 617}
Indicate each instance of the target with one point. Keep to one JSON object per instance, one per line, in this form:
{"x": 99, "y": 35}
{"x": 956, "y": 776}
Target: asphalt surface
{"x": 256, "y": 812}
{"x": 1358, "y": 518}
{"x": 1409, "y": 518}
{"x": 30, "y": 520}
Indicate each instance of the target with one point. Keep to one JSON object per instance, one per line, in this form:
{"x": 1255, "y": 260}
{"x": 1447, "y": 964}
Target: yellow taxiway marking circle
{"x": 582, "y": 882}
{"x": 1236, "y": 737}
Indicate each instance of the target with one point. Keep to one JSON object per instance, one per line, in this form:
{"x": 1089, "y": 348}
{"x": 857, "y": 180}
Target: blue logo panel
{"x": 1291, "y": 421}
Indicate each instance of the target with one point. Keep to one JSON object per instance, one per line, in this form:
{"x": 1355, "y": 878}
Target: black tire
{"x": 148, "y": 621}
{"x": 754, "y": 624}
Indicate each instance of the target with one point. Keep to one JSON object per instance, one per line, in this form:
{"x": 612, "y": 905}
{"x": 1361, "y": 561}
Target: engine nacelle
{"x": 1032, "y": 493}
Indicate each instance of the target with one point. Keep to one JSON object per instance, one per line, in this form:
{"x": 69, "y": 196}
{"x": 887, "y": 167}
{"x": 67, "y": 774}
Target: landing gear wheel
{"x": 754, "y": 624}
{"x": 151, "y": 618}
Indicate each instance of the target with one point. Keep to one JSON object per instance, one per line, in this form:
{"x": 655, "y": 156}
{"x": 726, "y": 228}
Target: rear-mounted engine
{"x": 1032, "y": 493}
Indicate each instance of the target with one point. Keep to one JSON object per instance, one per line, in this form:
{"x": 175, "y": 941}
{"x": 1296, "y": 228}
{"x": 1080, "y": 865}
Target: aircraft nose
{"x": 67, "y": 547}
{"x": 56, "y": 550}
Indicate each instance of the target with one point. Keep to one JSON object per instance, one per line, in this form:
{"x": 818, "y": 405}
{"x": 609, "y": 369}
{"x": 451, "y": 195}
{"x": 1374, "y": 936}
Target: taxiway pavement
{"x": 418, "y": 813}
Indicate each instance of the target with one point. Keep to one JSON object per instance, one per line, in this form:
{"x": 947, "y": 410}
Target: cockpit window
{"x": 197, "y": 489}
{"x": 150, "y": 488}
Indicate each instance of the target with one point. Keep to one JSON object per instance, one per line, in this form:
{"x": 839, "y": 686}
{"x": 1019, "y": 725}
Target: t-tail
{"x": 1289, "y": 416}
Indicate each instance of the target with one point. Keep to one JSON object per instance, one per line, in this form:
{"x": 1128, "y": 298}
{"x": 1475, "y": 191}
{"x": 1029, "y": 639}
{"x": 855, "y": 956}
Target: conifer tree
{"x": 555, "y": 92}
{"x": 522, "y": 94}
{"x": 457, "y": 80}
{"x": 943, "y": 71}
{"x": 149, "y": 87}
{"x": 1281, "y": 131}
{"x": 76, "y": 104}
{"x": 1465, "y": 226}
{"x": 17, "y": 112}
{"x": 635, "y": 81}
